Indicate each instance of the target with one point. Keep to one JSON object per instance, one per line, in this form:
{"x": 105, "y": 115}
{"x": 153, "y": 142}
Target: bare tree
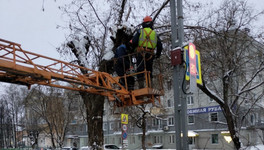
{"x": 12, "y": 102}
{"x": 89, "y": 43}
{"x": 138, "y": 116}
{"x": 51, "y": 107}
{"x": 5, "y": 124}
{"x": 232, "y": 61}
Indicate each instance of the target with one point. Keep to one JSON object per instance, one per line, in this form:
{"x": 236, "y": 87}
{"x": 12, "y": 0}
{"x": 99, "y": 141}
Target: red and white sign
{"x": 124, "y": 127}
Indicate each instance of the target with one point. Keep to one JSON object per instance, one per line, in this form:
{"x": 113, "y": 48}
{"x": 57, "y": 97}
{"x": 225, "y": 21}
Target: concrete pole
{"x": 180, "y": 104}
{"x": 174, "y": 27}
{"x": 182, "y": 78}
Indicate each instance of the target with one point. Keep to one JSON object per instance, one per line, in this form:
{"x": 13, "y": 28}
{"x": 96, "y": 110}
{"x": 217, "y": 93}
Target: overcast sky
{"x": 24, "y": 22}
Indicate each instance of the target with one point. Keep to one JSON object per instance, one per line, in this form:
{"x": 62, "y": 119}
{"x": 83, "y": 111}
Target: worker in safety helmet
{"x": 122, "y": 63}
{"x": 147, "y": 40}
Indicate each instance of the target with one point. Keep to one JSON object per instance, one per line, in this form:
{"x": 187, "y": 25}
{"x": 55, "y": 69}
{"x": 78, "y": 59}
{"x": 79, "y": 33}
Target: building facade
{"x": 207, "y": 128}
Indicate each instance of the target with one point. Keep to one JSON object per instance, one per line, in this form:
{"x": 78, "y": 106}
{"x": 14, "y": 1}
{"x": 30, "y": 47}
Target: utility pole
{"x": 180, "y": 105}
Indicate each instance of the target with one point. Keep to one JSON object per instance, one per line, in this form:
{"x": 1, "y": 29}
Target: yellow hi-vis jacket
{"x": 147, "y": 38}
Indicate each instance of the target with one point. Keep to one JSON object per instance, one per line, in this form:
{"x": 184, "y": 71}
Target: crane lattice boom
{"x": 26, "y": 68}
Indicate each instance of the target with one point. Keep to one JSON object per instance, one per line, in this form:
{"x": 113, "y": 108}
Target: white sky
{"x": 24, "y": 22}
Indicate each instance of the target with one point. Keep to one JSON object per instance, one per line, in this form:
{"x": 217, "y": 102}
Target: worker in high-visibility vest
{"x": 146, "y": 39}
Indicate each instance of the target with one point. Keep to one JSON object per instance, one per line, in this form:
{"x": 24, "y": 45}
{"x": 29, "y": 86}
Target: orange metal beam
{"x": 27, "y": 68}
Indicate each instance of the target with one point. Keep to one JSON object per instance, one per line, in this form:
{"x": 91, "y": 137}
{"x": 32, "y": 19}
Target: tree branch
{"x": 121, "y": 12}
{"x": 96, "y": 14}
{"x": 161, "y": 8}
{"x": 211, "y": 94}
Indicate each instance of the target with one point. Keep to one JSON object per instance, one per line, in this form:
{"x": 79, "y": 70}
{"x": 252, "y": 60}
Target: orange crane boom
{"x": 26, "y": 68}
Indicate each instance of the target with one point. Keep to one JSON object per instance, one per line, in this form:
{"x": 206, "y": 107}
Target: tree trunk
{"x": 231, "y": 128}
{"x": 228, "y": 114}
{"x": 94, "y": 110}
{"x": 94, "y": 105}
{"x": 52, "y": 138}
{"x": 143, "y": 140}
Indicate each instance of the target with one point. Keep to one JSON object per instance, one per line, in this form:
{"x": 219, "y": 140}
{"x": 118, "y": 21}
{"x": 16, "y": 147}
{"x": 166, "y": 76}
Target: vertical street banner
{"x": 192, "y": 67}
{"x": 198, "y": 65}
{"x": 124, "y": 126}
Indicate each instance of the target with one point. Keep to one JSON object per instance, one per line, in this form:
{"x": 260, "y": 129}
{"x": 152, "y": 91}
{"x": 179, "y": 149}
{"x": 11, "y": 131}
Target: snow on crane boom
{"x": 23, "y": 67}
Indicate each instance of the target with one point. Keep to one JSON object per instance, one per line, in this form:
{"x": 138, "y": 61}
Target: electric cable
{"x": 184, "y": 78}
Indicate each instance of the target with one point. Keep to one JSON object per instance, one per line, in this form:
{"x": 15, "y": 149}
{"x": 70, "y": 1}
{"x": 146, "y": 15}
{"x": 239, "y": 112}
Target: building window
{"x": 252, "y": 119}
{"x": 111, "y": 126}
{"x": 191, "y": 119}
{"x": 105, "y": 140}
{"x": 119, "y": 125}
{"x": 113, "y": 141}
{"x": 73, "y": 128}
{"x": 211, "y": 100}
{"x": 171, "y": 139}
{"x": 155, "y": 122}
{"x": 170, "y": 104}
{"x": 157, "y": 139}
{"x": 191, "y": 140}
{"x": 131, "y": 126}
{"x": 120, "y": 141}
{"x": 132, "y": 140}
{"x": 213, "y": 117}
{"x": 104, "y": 126}
{"x": 214, "y": 138}
{"x": 170, "y": 121}
{"x": 169, "y": 84}
{"x": 190, "y": 100}
{"x": 74, "y": 122}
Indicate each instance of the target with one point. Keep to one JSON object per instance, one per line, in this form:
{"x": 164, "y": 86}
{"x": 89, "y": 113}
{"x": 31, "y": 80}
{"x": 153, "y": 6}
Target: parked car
{"x": 69, "y": 148}
{"x": 106, "y": 147}
{"x": 110, "y": 146}
{"x": 84, "y": 148}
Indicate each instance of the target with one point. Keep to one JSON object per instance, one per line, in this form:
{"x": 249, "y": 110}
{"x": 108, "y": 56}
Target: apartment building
{"x": 207, "y": 127}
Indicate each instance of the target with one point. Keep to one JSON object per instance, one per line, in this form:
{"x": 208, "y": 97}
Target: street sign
{"x": 125, "y": 141}
{"x": 124, "y": 118}
{"x": 124, "y": 135}
{"x": 124, "y": 127}
{"x": 192, "y": 67}
{"x": 198, "y": 66}
{"x": 124, "y": 123}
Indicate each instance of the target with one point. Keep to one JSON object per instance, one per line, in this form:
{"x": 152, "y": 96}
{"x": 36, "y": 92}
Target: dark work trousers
{"x": 123, "y": 64}
{"x": 140, "y": 64}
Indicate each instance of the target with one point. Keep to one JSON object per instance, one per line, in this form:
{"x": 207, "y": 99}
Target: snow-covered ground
{"x": 257, "y": 147}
